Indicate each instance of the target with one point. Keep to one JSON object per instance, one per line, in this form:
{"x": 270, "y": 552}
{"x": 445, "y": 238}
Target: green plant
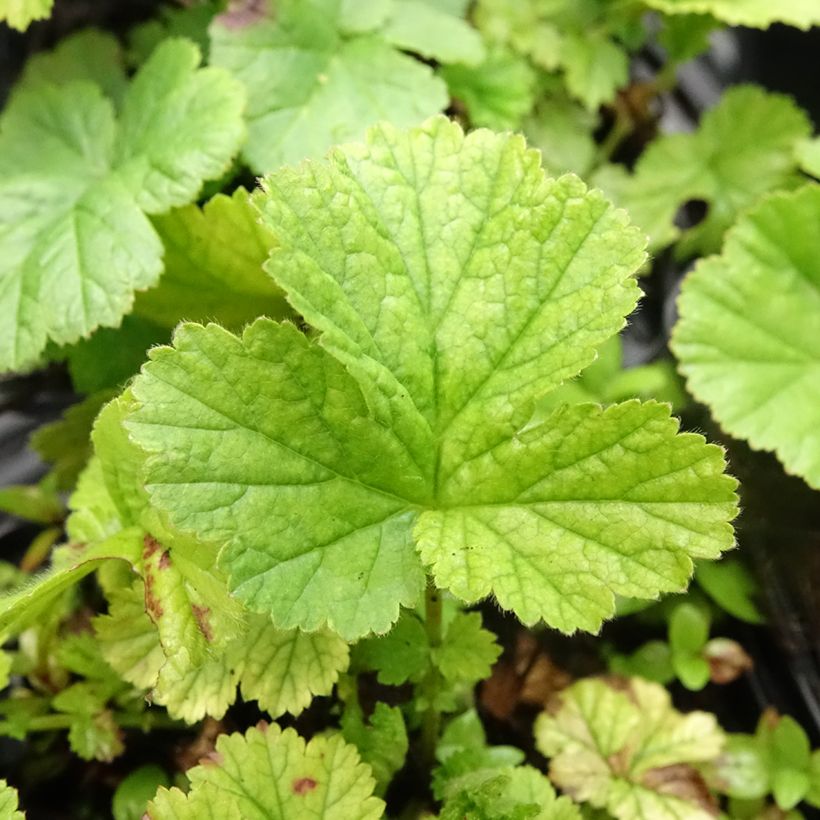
{"x": 330, "y": 416}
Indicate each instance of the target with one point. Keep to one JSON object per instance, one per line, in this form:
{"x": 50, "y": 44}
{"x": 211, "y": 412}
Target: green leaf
{"x": 20, "y": 13}
{"x": 135, "y": 790}
{"x": 190, "y": 21}
{"x": 22, "y": 606}
{"x": 594, "y": 68}
{"x": 76, "y": 244}
{"x": 760, "y": 374}
{"x": 752, "y": 13}
{"x": 402, "y": 655}
{"x": 381, "y": 740}
{"x": 498, "y": 93}
{"x": 454, "y": 284}
{"x": 743, "y": 149}
{"x": 808, "y": 154}
{"x": 283, "y": 671}
{"x": 91, "y": 55}
{"x": 213, "y": 266}
{"x": 741, "y": 770}
{"x": 424, "y": 28}
{"x": 732, "y": 587}
{"x": 310, "y": 88}
{"x": 652, "y": 660}
{"x": 8, "y": 802}
{"x": 467, "y": 651}
{"x": 271, "y": 774}
{"x": 688, "y": 628}
{"x": 628, "y": 750}
{"x": 562, "y": 130}
{"x": 112, "y": 355}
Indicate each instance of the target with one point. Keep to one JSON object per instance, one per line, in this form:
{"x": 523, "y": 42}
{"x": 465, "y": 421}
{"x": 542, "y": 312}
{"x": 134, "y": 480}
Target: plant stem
{"x": 57, "y": 721}
{"x": 431, "y": 724}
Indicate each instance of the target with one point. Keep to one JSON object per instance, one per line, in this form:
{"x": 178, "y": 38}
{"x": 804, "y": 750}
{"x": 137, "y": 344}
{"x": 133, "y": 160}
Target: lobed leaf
{"x": 75, "y": 243}
{"x": 271, "y": 774}
{"x": 454, "y": 286}
{"x": 753, "y": 13}
{"x": 761, "y": 374}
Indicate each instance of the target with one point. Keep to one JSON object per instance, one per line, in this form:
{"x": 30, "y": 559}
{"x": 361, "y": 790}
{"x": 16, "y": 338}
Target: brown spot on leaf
{"x": 201, "y": 614}
{"x": 212, "y": 759}
{"x": 149, "y": 546}
{"x": 243, "y": 13}
{"x": 304, "y": 785}
{"x": 165, "y": 560}
{"x": 262, "y": 726}
{"x": 684, "y": 782}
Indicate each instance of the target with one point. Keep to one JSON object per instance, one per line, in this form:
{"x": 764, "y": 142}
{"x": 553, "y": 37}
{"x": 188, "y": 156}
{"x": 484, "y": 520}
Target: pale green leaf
{"x": 744, "y": 148}
{"x": 561, "y": 130}
{"x": 213, "y": 266}
{"x": 271, "y": 774}
{"x": 456, "y": 285}
{"x": 20, "y": 13}
{"x": 309, "y": 88}
{"x": 628, "y": 750}
{"x": 90, "y": 55}
{"x": 761, "y": 374}
{"x": 283, "y": 671}
{"x": 8, "y": 803}
{"x": 190, "y": 692}
{"x": 426, "y": 29}
{"x": 75, "y": 244}
{"x": 753, "y": 13}
{"x": 498, "y": 93}
{"x": 178, "y": 127}
{"x": 808, "y": 154}
{"x": 594, "y": 68}
{"x": 128, "y": 640}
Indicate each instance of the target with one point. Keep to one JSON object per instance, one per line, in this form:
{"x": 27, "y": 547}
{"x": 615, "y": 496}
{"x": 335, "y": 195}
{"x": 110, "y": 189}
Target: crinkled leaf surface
{"x": 761, "y": 374}
{"x": 626, "y": 749}
{"x": 310, "y": 86}
{"x": 20, "y": 13}
{"x": 270, "y": 774}
{"x": 75, "y": 243}
{"x": 744, "y": 148}
{"x": 213, "y": 266}
{"x": 455, "y": 284}
{"x": 754, "y": 13}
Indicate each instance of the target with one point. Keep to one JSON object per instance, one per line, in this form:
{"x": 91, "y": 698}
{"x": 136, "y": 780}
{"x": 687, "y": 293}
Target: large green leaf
{"x": 75, "y": 243}
{"x": 310, "y": 86}
{"x": 454, "y": 285}
{"x": 270, "y": 774}
{"x": 761, "y": 373}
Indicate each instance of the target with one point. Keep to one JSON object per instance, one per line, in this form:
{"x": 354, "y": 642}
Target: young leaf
{"x": 759, "y": 375}
{"x": 467, "y": 651}
{"x": 135, "y": 790}
{"x": 455, "y": 284}
{"x": 310, "y": 87}
{"x": 76, "y": 244}
{"x": 270, "y": 774}
{"x": 753, "y": 13}
{"x": 213, "y": 266}
{"x": 20, "y": 13}
{"x": 498, "y": 93}
{"x": 8, "y": 802}
{"x": 402, "y": 655}
{"x": 743, "y": 149}
{"x": 629, "y": 751}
